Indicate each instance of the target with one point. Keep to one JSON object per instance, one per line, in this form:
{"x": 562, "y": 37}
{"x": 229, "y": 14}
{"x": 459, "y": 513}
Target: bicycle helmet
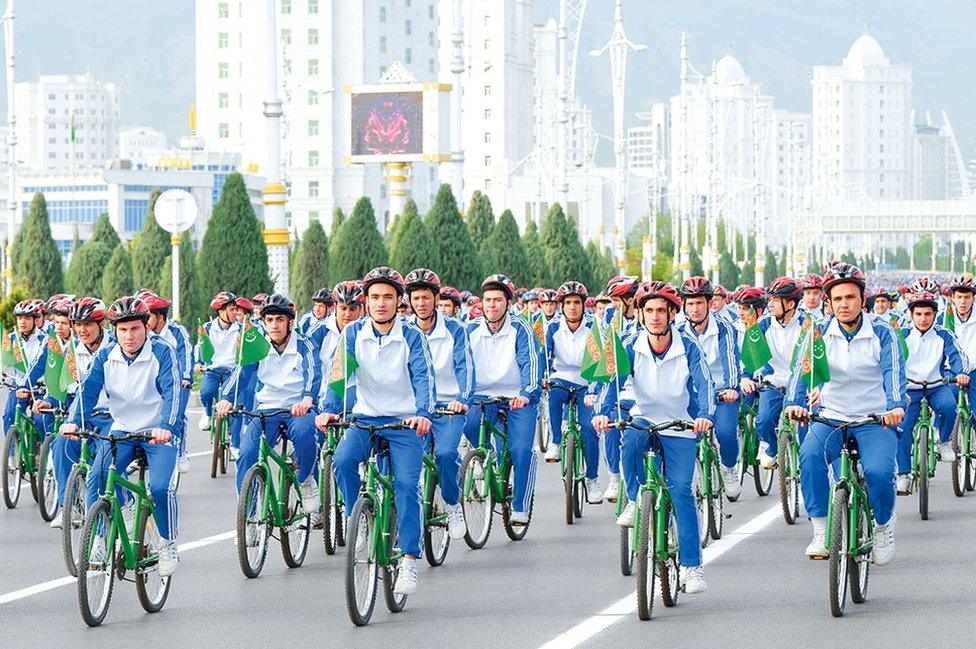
{"x": 222, "y": 299}
{"x": 530, "y": 295}
{"x": 350, "y": 292}
{"x": 750, "y": 296}
{"x": 500, "y": 283}
{"x": 450, "y": 293}
{"x": 925, "y": 285}
{"x": 923, "y": 298}
{"x": 571, "y": 288}
{"x": 547, "y": 295}
{"x": 465, "y": 296}
{"x": 61, "y": 307}
{"x": 157, "y": 304}
{"x": 278, "y": 304}
{"x": 259, "y": 298}
{"x": 127, "y": 309}
{"x": 842, "y": 273}
{"x": 245, "y": 304}
{"x": 721, "y": 291}
{"x": 420, "y": 278}
{"x": 657, "y": 289}
{"x": 812, "y": 281}
{"x": 475, "y": 311}
{"x": 322, "y": 295}
{"x": 590, "y": 303}
{"x": 786, "y": 288}
{"x": 88, "y": 309}
{"x": 696, "y": 287}
{"x": 33, "y": 308}
{"x": 622, "y": 286}
{"x": 55, "y": 299}
{"x": 962, "y": 283}
{"x": 384, "y": 275}
{"x": 604, "y": 298}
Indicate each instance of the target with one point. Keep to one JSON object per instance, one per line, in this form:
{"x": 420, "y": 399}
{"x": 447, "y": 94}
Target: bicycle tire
{"x": 859, "y": 567}
{"x": 97, "y": 521}
{"x": 763, "y": 478}
{"x": 838, "y": 569}
{"x": 626, "y": 551}
{"x": 645, "y": 557}
{"x": 478, "y": 504}
{"x": 788, "y": 483}
{"x": 252, "y": 496}
{"x": 359, "y": 550}
{"x": 394, "y": 602}
{"x": 580, "y": 494}
{"x": 297, "y": 529}
{"x": 47, "y": 487}
{"x": 923, "y": 472}
{"x": 543, "y": 433}
{"x": 716, "y": 506}
{"x": 73, "y": 518}
{"x": 327, "y": 506}
{"x": 151, "y": 590}
{"x": 701, "y": 505}
{"x": 970, "y": 459}
{"x": 569, "y": 478}
{"x": 13, "y": 474}
{"x": 958, "y": 463}
{"x": 669, "y": 570}
{"x": 436, "y": 539}
{"x": 514, "y": 532}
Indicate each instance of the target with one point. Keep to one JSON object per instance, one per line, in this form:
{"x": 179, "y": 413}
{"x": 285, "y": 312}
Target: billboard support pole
{"x": 397, "y": 178}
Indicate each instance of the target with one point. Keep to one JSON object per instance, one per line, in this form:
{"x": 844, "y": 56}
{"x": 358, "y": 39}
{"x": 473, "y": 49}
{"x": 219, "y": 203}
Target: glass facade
{"x": 84, "y": 211}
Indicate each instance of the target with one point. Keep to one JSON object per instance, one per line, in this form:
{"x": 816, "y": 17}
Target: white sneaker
{"x": 946, "y": 454}
{"x": 903, "y": 484}
{"x": 818, "y": 548}
{"x": 626, "y": 518}
{"x": 593, "y": 494}
{"x": 234, "y": 453}
{"x": 406, "y": 583}
{"x": 693, "y": 580}
{"x": 518, "y": 518}
{"x": 455, "y": 522}
{"x": 97, "y": 553}
{"x": 204, "y": 422}
{"x": 884, "y": 543}
{"x": 612, "y": 491}
{"x": 55, "y": 523}
{"x": 730, "y": 480}
{"x": 169, "y": 559}
{"x": 552, "y": 453}
{"x": 183, "y": 464}
{"x": 310, "y": 496}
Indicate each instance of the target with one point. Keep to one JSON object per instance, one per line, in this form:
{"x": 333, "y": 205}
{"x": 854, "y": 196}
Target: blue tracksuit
{"x": 35, "y": 359}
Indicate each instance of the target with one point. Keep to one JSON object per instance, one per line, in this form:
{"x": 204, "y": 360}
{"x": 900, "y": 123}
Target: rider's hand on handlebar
{"x": 797, "y": 413}
{"x": 518, "y": 402}
{"x": 601, "y": 423}
{"x": 962, "y": 380}
{"x": 198, "y": 367}
{"x": 728, "y": 396}
{"x": 22, "y": 393}
{"x": 456, "y": 407}
{"x": 748, "y": 386}
{"x": 301, "y": 408}
{"x": 69, "y": 430}
{"x": 894, "y": 417}
{"x": 40, "y": 405}
{"x": 702, "y": 425}
{"x": 420, "y": 424}
{"x": 161, "y": 436}
{"x": 322, "y": 421}
{"x": 223, "y": 408}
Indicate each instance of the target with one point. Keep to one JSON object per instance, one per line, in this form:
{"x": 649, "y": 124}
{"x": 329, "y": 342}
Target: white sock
{"x": 819, "y": 524}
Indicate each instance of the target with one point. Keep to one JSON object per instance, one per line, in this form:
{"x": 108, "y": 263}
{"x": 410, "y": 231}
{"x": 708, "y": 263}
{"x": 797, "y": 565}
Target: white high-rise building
{"x": 862, "y": 130}
{"x": 938, "y": 171}
{"x": 66, "y": 122}
{"x": 323, "y": 47}
{"x": 497, "y": 86}
{"x": 136, "y": 142}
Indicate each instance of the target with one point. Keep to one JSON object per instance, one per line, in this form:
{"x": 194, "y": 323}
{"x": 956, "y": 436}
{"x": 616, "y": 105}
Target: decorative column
{"x": 275, "y": 224}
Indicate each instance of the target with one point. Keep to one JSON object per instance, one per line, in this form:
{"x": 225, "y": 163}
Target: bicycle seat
{"x": 139, "y": 457}
{"x": 382, "y": 445}
{"x": 851, "y": 445}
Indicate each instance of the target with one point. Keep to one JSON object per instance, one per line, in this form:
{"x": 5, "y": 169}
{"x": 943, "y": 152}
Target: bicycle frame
{"x": 857, "y": 499}
{"x": 964, "y": 413}
{"x": 286, "y": 476}
{"x": 430, "y": 472}
{"x": 572, "y": 428}
{"x": 117, "y": 531}
{"x": 378, "y": 488}
{"x": 924, "y": 419}
{"x": 29, "y": 437}
{"x": 655, "y": 483}
{"x": 749, "y": 448}
{"x": 787, "y": 427}
{"x": 495, "y": 469}
{"x": 707, "y": 453}
{"x": 328, "y": 447}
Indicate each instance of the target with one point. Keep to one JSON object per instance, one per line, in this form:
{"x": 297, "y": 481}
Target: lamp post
{"x": 275, "y": 224}
{"x": 8, "y": 37}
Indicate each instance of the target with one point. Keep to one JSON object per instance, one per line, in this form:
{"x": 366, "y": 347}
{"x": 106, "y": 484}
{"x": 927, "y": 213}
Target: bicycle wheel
{"x": 543, "y": 432}
{"x": 47, "y": 487}
{"x": 859, "y": 565}
{"x": 436, "y": 539}
{"x": 626, "y": 551}
{"x": 394, "y": 602}
{"x": 716, "y": 503}
{"x": 253, "y": 527}
{"x": 923, "y": 472}
{"x": 477, "y": 500}
{"x": 361, "y": 567}
{"x": 970, "y": 459}
{"x": 839, "y": 543}
{"x": 569, "y": 478}
{"x": 959, "y": 462}
{"x": 701, "y": 505}
{"x": 669, "y": 569}
{"x": 215, "y": 441}
{"x": 763, "y": 478}
{"x": 789, "y": 484}
{"x": 297, "y": 528}
{"x": 328, "y": 506}
{"x": 73, "y": 518}
{"x": 579, "y": 492}
{"x": 514, "y": 532}
{"x": 12, "y": 470}
{"x": 644, "y": 559}
{"x": 151, "y": 588}
{"x": 96, "y": 567}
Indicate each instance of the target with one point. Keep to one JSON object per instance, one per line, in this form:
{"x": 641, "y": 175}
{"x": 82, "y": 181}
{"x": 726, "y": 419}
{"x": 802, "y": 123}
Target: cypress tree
{"x": 601, "y": 267}
{"x": 481, "y": 220}
{"x": 504, "y": 252}
{"x": 149, "y": 249}
{"x": 696, "y": 263}
{"x": 117, "y": 280}
{"x": 565, "y": 257}
{"x": 771, "y": 270}
{"x": 414, "y": 249}
{"x": 748, "y": 273}
{"x": 338, "y": 218}
{"x": 233, "y": 256}
{"x": 10, "y": 300}
{"x": 728, "y": 272}
{"x": 86, "y": 269}
{"x": 451, "y": 239}
{"x": 358, "y": 244}
{"x": 311, "y": 270}
{"x": 191, "y": 306}
{"x": 105, "y": 233}
{"x": 400, "y": 227}
{"x": 538, "y": 269}
{"x": 38, "y": 265}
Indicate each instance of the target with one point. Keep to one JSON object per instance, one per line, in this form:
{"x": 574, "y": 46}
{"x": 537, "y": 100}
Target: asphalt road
{"x": 561, "y": 585}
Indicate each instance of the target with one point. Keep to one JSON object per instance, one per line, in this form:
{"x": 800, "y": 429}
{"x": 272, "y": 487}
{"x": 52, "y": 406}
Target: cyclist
{"x": 721, "y": 304}
{"x": 59, "y": 334}
{"x": 882, "y": 303}
{"x": 319, "y": 314}
{"x": 449, "y": 302}
{"x": 782, "y": 330}
{"x": 530, "y": 299}
{"x": 454, "y": 379}
{"x": 507, "y": 357}
{"x": 548, "y": 305}
{"x": 223, "y": 331}
{"x": 671, "y": 380}
{"x": 931, "y": 349}
{"x": 717, "y": 339}
{"x": 866, "y": 377}
{"x": 140, "y": 377}
{"x": 621, "y": 290}
{"x": 812, "y": 296}
{"x": 288, "y": 377}
{"x": 963, "y": 292}
{"x": 394, "y": 381}
{"x": 245, "y": 309}
{"x": 348, "y": 298}
{"x": 565, "y": 348}
{"x": 603, "y": 302}
{"x": 31, "y": 339}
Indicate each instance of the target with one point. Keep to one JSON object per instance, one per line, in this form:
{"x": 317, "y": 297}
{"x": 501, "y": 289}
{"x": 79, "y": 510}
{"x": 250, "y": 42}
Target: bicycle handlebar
{"x": 239, "y": 410}
{"x": 675, "y": 424}
{"x": 137, "y": 436}
{"x": 845, "y": 426}
{"x": 492, "y": 401}
{"x": 573, "y": 391}
{"x": 372, "y": 428}
{"x": 929, "y": 384}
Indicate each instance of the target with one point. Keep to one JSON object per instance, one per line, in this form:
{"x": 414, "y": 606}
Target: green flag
{"x": 592, "y": 356}
{"x": 614, "y": 362}
{"x": 12, "y": 352}
{"x": 54, "y": 367}
{"x": 343, "y": 366}
{"x": 69, "y": 369}
{"x": 252, "y": 346}
{"x": 815, "y": 369}
{"x": 755, "y": 349}
{"x": 901, "y": 339}
{"x": 807, "y": 321}
{"x": 949, "y": 323}
{"x": 206, "y": 345}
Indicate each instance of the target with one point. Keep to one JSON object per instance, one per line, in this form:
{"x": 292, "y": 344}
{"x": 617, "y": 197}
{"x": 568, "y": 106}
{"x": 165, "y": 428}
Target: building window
{"x": 430, "y": 11}
{"x": 487, "y": 160}
{"x": 487, "y": 44}
{"x": 222, "y": 40}
{"x": 382, "y": 70}
{"x": 382, "y": 43}
{"x": 223, "y": 100}
{"x": 487, "y": 113}
{"x": 408, "y": 55}
{"x": 222, "y": 10}
{"x": 313, "y": 98}
{"x": 285, "y": 7}
{"x": 487, "y": 138}
{"x": 313, "y": 127}
{"x": 313, "y": 36}
{"x": 430, "y": 38}
{"x": 313, "y": 216}
{"x": 223, "y": 130}
{"x": 313, "y": 66}
{"x": 430, "y": 65}
{"x": 313, "y": 189}
{"x": 382, "y": 14}
{"x": 487, "y": 91}
{"x": 313, "y": 6}
{"x": 408, "y": 27}
{"x": 286, "y": 37}
{"x": 223, "y": 70}
{"x": 313, "y": 158}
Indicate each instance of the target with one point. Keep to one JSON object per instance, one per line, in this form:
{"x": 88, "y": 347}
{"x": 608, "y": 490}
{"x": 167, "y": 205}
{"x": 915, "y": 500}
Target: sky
{"x": 146, "y": 46}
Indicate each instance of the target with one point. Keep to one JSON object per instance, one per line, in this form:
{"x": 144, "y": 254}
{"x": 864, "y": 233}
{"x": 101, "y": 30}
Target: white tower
{"x": 275, "y": 224}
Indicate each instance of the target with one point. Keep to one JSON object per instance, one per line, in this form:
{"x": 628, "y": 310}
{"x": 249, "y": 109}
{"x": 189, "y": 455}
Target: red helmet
{"x": 222, "y": 299}
{"x": 842, "y": 273}
{"x": 420, "y": 278}
{"x": 590, "y": 303}
{"x": 476, "y": 311}
{"x": 384, "y": 275}
{"x": 721, "y": 291}
{"x": 812, "y": 281}
{"x": 501, "y": 283}
{"x": 923, "y": 298}
{"x": 696, "y": 287}
{"x": 786, "y": 288}
{"x": 259, "y": 298}
{"x": 450, "y": 293}
{"x": 571, "y": 288}
{"x": 349, "y": 292}
{"x": 962, "y": 284}
{"x": 622, "y": 286}
{"x": 245, "y": 304}
{"x": 925, "y": 284}
{"x": 128, "y": 308}
{"x": 88, "y": 309}
{"x": 33, "y": 308}
{"x": 55, "y": 299}
{"x": 61, "y": 307}
{"x": 750, "y": 296}
{"x": 657, "y": 289}
{"x": 144, "y": 293}
{"x": 547, "y": 295}
{"x": 157, "y": 304}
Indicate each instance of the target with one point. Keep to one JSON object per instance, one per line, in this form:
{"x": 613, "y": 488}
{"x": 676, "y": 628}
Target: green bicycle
{"x": 924, "y": 457}
{"x": 964, "y": 446}
{"x": 20, "y": 449}
{"x": 655, "y": 531}
{"x": 709, "y": 489}
{"x": 269, "y": 500}
{"x": 109, "y": 551}
{"x": 219, "y": 439}
{"x": 626, "y": 535}
{"x": 788, "y": 455}
{"x": 487, "y": 479}
{"x": 749, "y": 447}
{"x": 572, "y": 460}
{"x": 333, "y": 504}
{"x": 434, "y": 509}
{"x": 850, "y": 522}
{"x": 47, "y": 486}
{"x": 75, "y": 508}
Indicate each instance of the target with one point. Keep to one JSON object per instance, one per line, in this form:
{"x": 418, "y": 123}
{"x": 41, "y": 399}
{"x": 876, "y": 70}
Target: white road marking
{"x": 625, "y": 606}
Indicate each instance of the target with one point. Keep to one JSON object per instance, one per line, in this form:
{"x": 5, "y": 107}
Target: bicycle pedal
{"x": 818, "y": 558}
